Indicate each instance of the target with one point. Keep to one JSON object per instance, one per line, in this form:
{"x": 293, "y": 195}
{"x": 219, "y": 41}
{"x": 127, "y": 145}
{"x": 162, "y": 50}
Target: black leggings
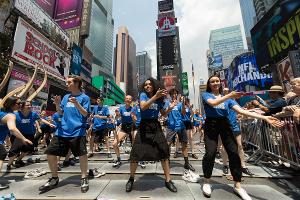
{"x": 212, "y": 129}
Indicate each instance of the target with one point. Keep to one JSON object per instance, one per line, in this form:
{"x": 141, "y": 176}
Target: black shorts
{"x": 3, "y": 152}
{"x": 127, "y": 128}
{"x": 182, "y": 136}
{"x": 188, "y": 125}
{"x": 100, "y": 135}
{"x": 60, "y": 146}
{"x": 18, "y": 146}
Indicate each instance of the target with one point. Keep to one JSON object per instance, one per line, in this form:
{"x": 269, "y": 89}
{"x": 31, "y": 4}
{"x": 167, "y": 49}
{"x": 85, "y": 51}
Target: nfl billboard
{"x": 31, "y": 48}
{"x": 166, "y": 24}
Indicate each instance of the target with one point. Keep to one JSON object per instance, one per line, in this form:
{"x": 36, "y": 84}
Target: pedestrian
{"x": 176, "y": 124}
{"x": 126, "y": 128}
{"x": 150, "y": 143}
{"x": 74, "y": 109}
{"x": 217, "y": 108}
{"x": 8, "y": 126}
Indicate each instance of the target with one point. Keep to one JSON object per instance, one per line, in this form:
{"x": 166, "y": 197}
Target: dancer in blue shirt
{"x": 74, "y": 109}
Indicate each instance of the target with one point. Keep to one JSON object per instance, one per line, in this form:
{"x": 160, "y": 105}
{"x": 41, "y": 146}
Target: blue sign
{"x": 76, "y": 60}
{"x": 246, "y": 72}
{"x": 218, "y": 61}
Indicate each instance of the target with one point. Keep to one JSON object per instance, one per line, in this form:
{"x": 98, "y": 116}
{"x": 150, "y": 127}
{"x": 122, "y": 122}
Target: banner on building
{"x": 246, "y": 72}
{"x": 47, "y": 5}
{"x": 76, "y": 60}
{"x": 295, "y": 62}
{"x": 185, "y": 84}
{"x": 31, "y": 48}
{"x": 42, "y": 20}
{"x": 169, "y": 81}
{"x": 68, "y": 13}
{"x": 166, "y": 24}
{"x": 165, "y": 5}
{"x": 277, "y": 32}
{"x": 86, "y": 18}
{"x": 285, "y": 73}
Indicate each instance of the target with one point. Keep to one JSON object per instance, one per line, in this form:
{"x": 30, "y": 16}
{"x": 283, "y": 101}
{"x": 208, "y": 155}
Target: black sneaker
{"x": 117, "y": 164}
{"x": 84, "y": 185}
{"x": 8, "y": 167}
{"x": 247, "y": 171}
{"x": 194, "y": 156}
{"x": 90, "y": 155}
{"x": 129, "y": 185}
{"x": 50, "y": 184}
{"x": 225, "y": 170}
{"x": 19, "y": 163}
{"x": 66, "y": 163}
{"x": 189, "y": 166}
{"x": 170, "y": 185}
{"x": 3, "y": 186}
{"x": 30, "y": 161}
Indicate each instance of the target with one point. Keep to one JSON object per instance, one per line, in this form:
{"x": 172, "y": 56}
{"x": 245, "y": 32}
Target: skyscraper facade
{"x": 262, "y": 7}
{"x": 124, "y": 62}
{"x": 100, "y": 40}
{"x": 226, "y": 42}
{"x": 143, "y": 67}
{"x": 248, "y": 14}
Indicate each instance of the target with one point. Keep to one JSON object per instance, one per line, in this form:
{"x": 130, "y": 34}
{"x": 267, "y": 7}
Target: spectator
{"x": 276, "y": 103}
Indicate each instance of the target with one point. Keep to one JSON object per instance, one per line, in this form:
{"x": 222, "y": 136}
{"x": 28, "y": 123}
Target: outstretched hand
{"x": 57, "y": 99}
{"x": 274, "y": 121}
{"x": 160, "y": 93}
{"x": 26, "y": 141}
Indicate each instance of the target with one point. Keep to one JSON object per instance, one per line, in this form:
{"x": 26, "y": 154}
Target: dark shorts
{"x": 127, "y": 128}
{"x": 100, "y": 134}
{"x": 236, "y": 133}
{"x": 18, "y": 146}
{"x": 182, "y": 136}
{"x": 60, "y": 146}
{"x": 3, "y": 152}
{"x": 188, "y": 125}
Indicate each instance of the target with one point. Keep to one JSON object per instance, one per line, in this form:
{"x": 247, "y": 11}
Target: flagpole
{"x": 193, "y": 76}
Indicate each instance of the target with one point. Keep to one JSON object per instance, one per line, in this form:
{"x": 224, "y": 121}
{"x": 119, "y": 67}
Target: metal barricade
{"x": 281, "y": 143}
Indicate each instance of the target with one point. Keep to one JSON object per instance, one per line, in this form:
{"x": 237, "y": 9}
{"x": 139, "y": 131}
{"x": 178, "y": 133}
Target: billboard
{"x": 76, "y": 60}
{"x": 246, "y": 72}
{"x": 185, "y": 84}
{"x": 47, "y": 5}
{"x": 68, "y": 13}
{"x": 165, "y": 5}
{"x": 86, "y": 18}
{"x": 31, "y": 47}
{"x": 277, "y": 32}
{"x": 167, "y": 52}
{"x": 166, "y": 24}
{"x": 285, "y": 73}
{"x": 42, "y": 20}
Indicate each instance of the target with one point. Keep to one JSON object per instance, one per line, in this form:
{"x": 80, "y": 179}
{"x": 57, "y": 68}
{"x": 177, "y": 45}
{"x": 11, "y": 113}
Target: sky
{"x": 195, "y": 18}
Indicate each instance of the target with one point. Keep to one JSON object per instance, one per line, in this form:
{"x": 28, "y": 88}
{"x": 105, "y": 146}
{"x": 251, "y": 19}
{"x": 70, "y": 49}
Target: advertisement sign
{"x": 277, "y": 32}
{"x": 86, "y": 18}
{"x": 185, "y": 84}
{"x": 246, "y": 72}
{"x": 31, "y": 47}
{"x": 4, "y": 12}
{"x": 166, "y": 24}
{"x": 285, "y": 73}
{"x": 295, "y": 62}
{"x": 165, "y": 5}
{"x": 76, "y": 60}
{"x": 41, "y": 19}
{"x": 169, "y": 81}
{"x": 47, "y": 5}
{"x": 68, "y": 13}
{"x": 166, "y": 51}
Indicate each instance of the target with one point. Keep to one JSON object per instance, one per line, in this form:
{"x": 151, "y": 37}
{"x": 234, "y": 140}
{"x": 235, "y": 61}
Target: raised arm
{"x": 231, "y": 95}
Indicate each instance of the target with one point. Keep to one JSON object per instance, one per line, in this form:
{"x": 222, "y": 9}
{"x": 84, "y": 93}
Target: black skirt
{"x": 150, "y": 143}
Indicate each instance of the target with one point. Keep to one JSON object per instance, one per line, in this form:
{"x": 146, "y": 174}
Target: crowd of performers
{"x": 151, "y": 123}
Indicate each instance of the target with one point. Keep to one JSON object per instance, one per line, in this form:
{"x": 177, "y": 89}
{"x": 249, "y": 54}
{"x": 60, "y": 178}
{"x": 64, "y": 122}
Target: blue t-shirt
{"x": 110, "y": 123}
{"x": 187, "y": 116}
{"x": 3, "y": 128}
{"x": 118, "y": 121}
{"x": 126, "y": 114}
{"x": 25, "y": 124}
{"x": 221, "y": 110}
{"x": 137, "y": 111}
{"x": 197, "y": 120}
{"x": 153, "y": 110}
{"x": 174, "y": 120}
{"x": 57, "y": 122}
{"x": 43, "y": 125}
{"x": 73, "y": 123}
{"x": 233, "y": 121}
{"x": 99, "y": 124}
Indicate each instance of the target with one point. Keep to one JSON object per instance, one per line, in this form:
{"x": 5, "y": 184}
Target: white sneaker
{"x": 188, "y": 175}
{"x": 206, "y": 189}
{"x": 242, "y": 193}
{"x": 196, "y": 176}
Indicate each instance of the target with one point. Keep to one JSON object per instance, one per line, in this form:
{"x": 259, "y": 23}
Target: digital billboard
{"x": 165, "y": 5}
{"x": 277, "y": 32}
{"x": 167, "y": 51}
{"x": 68, "y": 13}
{"x": 47, "y": 5}
{"x": 166, "y": 24}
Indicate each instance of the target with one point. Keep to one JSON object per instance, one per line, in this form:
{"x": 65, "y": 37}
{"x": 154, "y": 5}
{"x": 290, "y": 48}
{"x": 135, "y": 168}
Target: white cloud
{"x": 195, "y": 20}
{"x": 151, "y": 49}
